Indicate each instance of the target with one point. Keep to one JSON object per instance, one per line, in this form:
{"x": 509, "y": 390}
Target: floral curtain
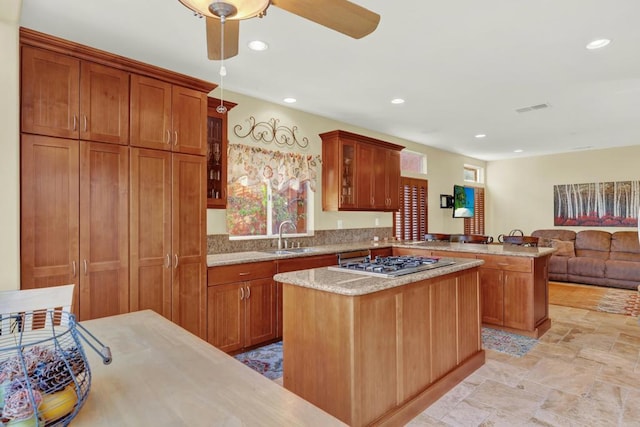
{"x": 251, "y": 165}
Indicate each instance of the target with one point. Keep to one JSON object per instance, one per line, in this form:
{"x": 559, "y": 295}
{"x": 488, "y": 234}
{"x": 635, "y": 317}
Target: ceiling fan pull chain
{"x": 223, "y": 70}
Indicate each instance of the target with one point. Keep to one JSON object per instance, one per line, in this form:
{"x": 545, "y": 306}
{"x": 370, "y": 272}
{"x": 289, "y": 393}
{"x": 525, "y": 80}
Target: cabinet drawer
{"x": 509, "y": 263}
{"x": 240, "y": 272}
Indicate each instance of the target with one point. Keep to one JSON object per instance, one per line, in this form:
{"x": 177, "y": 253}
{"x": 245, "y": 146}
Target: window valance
{"x": 251, "y": 165}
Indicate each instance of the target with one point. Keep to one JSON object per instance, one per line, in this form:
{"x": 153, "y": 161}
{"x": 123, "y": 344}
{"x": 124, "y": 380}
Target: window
{"x": 410, "y": 221}
{"x": 473, "y": 174}
{"x": 411, "y": 161}
{"x": 266, "y": 188}
{"x": 475, "y": 225}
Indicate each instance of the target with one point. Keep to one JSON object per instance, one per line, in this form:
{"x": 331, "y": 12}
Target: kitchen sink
{"x": 289, "y": 251}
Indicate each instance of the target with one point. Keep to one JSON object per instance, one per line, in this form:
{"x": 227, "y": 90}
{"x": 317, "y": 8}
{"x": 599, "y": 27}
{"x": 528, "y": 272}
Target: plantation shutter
{"x": 475, "y": 225}
{"x": 410, "y": 221}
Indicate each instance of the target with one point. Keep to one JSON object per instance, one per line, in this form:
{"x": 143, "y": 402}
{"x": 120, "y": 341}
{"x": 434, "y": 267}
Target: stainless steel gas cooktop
{"x": 391, "y": 266}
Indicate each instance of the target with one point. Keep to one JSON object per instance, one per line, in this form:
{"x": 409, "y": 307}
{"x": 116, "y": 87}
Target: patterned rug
{"x": 506, "y": 342}
{"x": 595, "y": 298}
{"x": 267, "y": 360}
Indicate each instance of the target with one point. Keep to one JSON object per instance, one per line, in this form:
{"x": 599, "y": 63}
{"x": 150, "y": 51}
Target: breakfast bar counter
{"x": 162, "y": 375}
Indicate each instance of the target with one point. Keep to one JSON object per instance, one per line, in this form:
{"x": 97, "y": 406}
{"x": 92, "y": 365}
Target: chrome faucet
{"x": 288, "y": 221}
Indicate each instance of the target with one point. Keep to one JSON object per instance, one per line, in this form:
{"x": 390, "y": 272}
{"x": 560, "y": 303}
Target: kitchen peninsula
{"x": 372, "y": 350}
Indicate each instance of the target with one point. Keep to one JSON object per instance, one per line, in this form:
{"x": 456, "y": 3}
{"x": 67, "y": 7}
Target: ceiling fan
{"x": 223, "y": 17}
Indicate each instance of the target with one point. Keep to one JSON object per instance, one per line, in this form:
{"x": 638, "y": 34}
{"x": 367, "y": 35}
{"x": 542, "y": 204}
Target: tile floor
{"x": 585, "y": 371}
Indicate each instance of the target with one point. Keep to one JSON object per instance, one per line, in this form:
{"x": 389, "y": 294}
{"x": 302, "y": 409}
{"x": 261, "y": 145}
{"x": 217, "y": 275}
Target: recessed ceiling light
{"x": 597, "y": 44}
{"x": 397, "y": 101}
{"x": 481, "y": 135}
{"x": 290, "y": 100}
{"x": 518, "y": 151}
{"x": 258, "y": 45}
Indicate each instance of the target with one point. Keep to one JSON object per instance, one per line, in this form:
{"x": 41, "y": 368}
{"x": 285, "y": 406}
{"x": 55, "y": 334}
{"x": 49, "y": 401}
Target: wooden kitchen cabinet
{"x": 74, "y": 221}
{"x": 168, "y": 117}
{"x": 359, "y": 173}
{"x": 67, "y": 97}
{"x": 241, "y": 305}
{"x": 217, "y": 142}
{"x": 168, "y": 247}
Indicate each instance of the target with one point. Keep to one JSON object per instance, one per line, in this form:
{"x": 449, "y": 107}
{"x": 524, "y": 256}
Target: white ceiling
{"x": 463, "y": 66}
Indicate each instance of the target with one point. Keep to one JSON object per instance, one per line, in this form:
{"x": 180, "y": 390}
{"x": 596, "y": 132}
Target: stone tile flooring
{"x": 585, "y": 371}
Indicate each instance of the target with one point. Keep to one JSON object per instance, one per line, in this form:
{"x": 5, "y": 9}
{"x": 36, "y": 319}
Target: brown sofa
{"x": 593, "y": 257}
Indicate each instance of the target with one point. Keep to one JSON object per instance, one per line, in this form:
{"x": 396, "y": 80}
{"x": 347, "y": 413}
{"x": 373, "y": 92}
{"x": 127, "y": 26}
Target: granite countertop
{"x": 347, "y": 283}
{"x": 230, "y": 258}
{"x": 480, "y": 249}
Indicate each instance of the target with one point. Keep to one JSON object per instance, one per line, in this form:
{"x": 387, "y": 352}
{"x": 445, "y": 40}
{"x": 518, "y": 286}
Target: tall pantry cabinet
{"x": 123, "y": 221}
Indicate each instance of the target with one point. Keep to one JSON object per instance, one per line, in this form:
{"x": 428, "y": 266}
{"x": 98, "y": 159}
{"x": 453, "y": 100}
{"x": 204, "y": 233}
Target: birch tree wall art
{"x": 597, "y": 204}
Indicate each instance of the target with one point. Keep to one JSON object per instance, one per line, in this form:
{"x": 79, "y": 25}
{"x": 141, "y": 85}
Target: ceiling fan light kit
{"x": 230, "y": 9}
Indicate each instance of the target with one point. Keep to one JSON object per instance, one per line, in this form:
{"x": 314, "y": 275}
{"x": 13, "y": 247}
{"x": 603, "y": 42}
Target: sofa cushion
{"x": 564, "y": 248}
{"x": 593, "y": 244}
{"x": 546, "y": 236}
{"x": 625, "y": 246}
{"x": 586, "y": 267}
{"x": 622, "y": 270}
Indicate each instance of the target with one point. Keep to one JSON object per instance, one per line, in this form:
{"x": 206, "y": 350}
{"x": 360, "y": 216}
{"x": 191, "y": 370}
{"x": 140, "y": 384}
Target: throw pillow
{"x": 564, "y": 248}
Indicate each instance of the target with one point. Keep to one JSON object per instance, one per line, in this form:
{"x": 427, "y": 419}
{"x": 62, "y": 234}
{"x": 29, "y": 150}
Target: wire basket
{"x": 44, "y": 372}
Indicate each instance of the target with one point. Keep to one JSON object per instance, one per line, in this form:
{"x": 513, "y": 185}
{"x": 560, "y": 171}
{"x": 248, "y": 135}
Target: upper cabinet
{"x": 359, "y": 173}
{"x": 217, "y": 154}
{"x": 167, "y": 117}
{"x": 66, "y": 97}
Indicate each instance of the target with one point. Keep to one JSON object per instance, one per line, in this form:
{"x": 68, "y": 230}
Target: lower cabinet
{"x": 241, "y": 305}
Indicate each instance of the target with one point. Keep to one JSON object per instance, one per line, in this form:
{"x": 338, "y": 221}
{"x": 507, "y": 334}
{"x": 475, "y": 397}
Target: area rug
{"x": 266, "y": 360}
{"x": 595, "y": 298}
{"x": 506, "y": 342}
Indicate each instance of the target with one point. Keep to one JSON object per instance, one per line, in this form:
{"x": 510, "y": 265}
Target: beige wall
{"x": 9, "y": 166}
{"x": 444, "y": 169}
{"x": 520, "y": 194}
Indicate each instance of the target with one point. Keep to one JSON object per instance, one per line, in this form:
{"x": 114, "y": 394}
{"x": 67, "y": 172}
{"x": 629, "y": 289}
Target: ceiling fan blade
{"x": 231, "y": 33}
{"x": 339, "y": 15}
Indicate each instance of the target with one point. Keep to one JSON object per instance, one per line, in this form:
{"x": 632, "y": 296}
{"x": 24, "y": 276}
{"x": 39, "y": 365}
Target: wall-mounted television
{"x": 463, "y": 202}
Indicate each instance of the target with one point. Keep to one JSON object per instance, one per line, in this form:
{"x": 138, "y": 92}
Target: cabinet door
{"x": 518, "y": 300}
{"x": 104, "y": 229}
{"x": 49, "y": 212}
{"x": 50, "y": 93}
{"x": 216, "y": 159}
{"x": 104, "y": 104}
{"x": 379, "y": 179}
{"x": 492, "y": 296}
{"x": 364, "y": 170}
{"x": 189, "y": 245}
{"x": 189, "y": 121}
{"x": 346, "y": 174}
{"x": 150, "y": 231}
{"x": 225, "y": 316}
{"x": 260, "y": 299}
{"x": 150, "y": 113}
{"x": 393, "y": 180}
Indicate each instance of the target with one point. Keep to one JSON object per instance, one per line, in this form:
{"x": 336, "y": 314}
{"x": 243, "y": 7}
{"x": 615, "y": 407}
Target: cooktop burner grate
{"x": 392, "y": 266}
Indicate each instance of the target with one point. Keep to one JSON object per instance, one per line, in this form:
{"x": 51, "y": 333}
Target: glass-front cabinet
{"x": 217, "y": 154}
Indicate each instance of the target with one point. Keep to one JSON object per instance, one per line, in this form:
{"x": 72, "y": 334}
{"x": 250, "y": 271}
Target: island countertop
{"x": 348, "y": 283}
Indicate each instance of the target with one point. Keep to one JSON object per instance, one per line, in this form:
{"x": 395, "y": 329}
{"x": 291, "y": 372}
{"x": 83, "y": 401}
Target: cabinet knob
{"x": 175, "y": 137}
{"x": 248, "y": 292}
{"x": 168, "y": 136}
{"x": 241, "y": 293}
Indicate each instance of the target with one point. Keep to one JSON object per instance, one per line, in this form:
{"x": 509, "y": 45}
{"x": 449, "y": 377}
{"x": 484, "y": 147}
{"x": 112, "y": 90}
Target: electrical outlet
{"x": 377, "y": 222}
{"x": 339, "y": 224}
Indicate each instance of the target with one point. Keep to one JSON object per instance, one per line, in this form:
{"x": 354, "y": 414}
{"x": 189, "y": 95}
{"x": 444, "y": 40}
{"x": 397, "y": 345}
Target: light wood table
{"x": 162, "y": 375}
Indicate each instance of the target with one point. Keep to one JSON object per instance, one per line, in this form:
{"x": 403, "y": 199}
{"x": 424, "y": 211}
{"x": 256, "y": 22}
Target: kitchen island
{"x": 373, "y": 350}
